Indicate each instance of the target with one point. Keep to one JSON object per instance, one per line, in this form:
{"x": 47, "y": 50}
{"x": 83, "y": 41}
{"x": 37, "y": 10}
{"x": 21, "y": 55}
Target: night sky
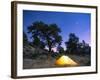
{"x": 78, "y": 23}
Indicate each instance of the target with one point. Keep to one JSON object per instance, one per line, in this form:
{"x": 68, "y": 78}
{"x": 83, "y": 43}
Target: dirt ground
{"x": 31, "y": 63}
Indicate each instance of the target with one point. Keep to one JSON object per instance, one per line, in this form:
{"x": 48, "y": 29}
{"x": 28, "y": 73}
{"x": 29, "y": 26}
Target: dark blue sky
{"x": 78, "y": 23}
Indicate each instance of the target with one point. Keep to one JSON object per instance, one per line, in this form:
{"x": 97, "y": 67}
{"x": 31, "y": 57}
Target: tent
{"x": 65, "y": 61}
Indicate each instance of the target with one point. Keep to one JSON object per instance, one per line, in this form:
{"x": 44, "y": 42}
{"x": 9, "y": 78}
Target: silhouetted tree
{"x": 84, "y": 48}
{"x": 25, "y": 40}
{"x": 37, "y": 43}
{"x": 72, "y": 43}
{"x": 74, "y": 46}
{"x": 60, "y": 49}
{"x": 47, "y": 34}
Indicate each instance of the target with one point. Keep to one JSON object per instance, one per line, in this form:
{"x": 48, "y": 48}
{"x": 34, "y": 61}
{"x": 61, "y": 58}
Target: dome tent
{"x": 65, "y": 61}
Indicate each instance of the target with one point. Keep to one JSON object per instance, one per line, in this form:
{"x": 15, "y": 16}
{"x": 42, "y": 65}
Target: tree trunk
{"x": 49, "y": 55}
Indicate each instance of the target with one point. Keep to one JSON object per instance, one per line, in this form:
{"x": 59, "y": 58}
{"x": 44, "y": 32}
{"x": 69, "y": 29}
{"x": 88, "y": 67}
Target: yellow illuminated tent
{"x": 65, "y": 61}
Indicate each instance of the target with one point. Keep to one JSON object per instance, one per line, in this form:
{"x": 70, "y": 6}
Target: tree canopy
{"x": 72, "y": 42}
{"x": 45, "y": 34}
{"x": 73, "y": 46}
